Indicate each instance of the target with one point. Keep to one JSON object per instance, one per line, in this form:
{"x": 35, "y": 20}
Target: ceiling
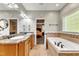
{"x": 4, "y": 6}
{"x": 43, "y": 6}
{"x": 35, "y": 6}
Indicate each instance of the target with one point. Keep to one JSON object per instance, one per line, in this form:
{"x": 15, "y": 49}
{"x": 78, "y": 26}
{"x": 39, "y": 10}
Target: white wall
{"x": 8, "y": 16}
{"x": 5, "y": 32}
{"x": 29, "y": 25}
{"x": 51, "y": 17}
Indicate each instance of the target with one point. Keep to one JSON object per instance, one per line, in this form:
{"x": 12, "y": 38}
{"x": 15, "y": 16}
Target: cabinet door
{"x": 22, "y": 49}
{"x": 8, "y": 50}
{"x": 26, "y": 48}
{"x": 29, "y": 43}
{"x": 32, "y": 41}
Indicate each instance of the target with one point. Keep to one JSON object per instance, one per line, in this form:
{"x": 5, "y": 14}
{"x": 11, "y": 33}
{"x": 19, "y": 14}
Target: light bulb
{"x": 57, "y": 5}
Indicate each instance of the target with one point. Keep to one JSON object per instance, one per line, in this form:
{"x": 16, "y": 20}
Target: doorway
{"x": 13, "y": 26}
{"x": 40, "y": 31}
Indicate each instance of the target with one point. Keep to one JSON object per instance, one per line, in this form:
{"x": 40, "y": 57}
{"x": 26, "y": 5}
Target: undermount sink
{"x": 17, "y": 37}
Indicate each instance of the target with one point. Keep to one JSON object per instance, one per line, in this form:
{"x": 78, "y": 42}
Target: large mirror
{"x": 3, "y": 24}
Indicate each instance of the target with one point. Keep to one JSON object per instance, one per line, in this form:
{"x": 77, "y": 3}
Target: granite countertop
{"x": 16, "y": 39}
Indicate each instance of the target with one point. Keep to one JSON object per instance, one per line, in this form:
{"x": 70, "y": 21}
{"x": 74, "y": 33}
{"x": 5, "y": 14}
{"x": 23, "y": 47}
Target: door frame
{"x": 16, "y": 26}
{"x": 36, "y": 33}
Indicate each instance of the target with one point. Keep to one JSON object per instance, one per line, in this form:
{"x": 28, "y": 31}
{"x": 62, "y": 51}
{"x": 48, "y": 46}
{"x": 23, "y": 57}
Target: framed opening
{"x": 13, "y": 26}
{"x": 40, "y": 31}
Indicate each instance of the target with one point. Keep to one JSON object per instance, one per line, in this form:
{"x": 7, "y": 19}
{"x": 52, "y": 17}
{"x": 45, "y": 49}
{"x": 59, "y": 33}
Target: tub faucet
{"x": 55, "y": 43}
{"x": 59, "y": 43}
{"x": 62, "y": 45}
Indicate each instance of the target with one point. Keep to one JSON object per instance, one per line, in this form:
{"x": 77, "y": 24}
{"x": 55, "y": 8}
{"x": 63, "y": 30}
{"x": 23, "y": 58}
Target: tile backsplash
{"x": 71, "y": 37}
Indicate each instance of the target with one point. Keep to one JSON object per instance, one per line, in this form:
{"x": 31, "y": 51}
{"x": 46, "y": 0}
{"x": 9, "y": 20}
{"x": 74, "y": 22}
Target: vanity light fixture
{"x": 22, "y": 14}
{"x": 12, "y": 5}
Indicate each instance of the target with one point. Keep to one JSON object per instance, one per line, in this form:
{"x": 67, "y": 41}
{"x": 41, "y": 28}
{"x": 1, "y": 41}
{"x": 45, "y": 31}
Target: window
{"x": 71, "y": 22}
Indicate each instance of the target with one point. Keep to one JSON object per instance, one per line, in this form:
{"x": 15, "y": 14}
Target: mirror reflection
{"x": 3, "y": 24}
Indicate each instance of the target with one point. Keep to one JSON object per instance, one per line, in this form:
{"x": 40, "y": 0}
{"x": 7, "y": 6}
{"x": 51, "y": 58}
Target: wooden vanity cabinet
{"x": 8, "y": 50}
{"x": 17, "y": 49}
{"x": 32, "y": 41}
{"x": 29, "y": 43}
{"x": 21, "y": 48}
{"x": 26, "y": 48}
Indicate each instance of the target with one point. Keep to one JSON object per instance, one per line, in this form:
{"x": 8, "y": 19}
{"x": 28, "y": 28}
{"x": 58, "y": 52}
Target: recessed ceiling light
{"x": 57, "y": 5}
{"x": 10, "y": 6}
{"x": 16, "y": 6}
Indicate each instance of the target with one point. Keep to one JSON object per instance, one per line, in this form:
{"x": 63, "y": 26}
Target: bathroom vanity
{"x": 17, "y": 46}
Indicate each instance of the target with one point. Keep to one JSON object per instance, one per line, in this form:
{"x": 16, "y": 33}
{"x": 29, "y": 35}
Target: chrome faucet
{"x": 62, "y": 45}
{"x": 55, "y": 43}
{"x": 59, "y": 43}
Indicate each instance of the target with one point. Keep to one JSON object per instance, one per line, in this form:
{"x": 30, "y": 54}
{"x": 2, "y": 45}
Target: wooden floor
{"x": 38, "y": 50}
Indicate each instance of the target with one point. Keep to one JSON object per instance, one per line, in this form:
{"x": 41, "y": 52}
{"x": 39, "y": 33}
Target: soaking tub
{"x": 62, "y": 47}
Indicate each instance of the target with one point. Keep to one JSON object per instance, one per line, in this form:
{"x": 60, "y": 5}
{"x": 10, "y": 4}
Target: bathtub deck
{"x": 70, "y": 48}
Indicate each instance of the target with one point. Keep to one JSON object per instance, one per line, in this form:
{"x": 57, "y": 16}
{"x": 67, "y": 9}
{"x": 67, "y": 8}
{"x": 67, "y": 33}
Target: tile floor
{"x": 40, "y": 40}
{"x": 38, "y": 50}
